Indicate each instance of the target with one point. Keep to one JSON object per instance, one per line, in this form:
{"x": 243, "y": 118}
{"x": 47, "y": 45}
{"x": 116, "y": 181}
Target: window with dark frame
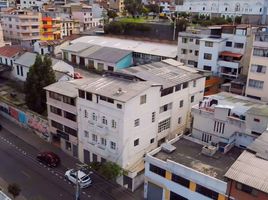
{"x": 157, "y": 170}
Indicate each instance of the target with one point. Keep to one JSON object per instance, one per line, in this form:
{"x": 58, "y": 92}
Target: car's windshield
{"x": 84, "y": 178}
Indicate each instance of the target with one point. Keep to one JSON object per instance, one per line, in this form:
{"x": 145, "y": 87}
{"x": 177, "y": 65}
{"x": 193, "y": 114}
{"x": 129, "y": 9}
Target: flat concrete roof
{"x": 152, "y": 48}
{"x": 188, "y": 153}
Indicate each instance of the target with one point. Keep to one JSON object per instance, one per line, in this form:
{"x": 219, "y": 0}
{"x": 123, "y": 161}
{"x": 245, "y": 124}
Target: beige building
{"x": 21, "y": 27}
{"x": 257, "y": 82}
{"x": 117, "y": 5}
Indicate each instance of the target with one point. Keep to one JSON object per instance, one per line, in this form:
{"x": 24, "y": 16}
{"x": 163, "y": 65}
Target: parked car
{"x": 48, "y": 158}
{"x": 83, "y": 179}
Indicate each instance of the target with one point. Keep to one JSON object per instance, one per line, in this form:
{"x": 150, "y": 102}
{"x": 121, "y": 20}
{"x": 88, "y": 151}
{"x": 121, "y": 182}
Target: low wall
{"x": 27, "y": 119}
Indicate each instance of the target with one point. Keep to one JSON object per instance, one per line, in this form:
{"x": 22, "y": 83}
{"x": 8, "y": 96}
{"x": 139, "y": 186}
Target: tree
{"x": 39, "y": 76}
{"x": 14, "y": 189}
{"x": 145, "y": 11}
{"x": 110, "y": 170}
{"x": 111, "y": 14}
{"x": 134, "y": 7}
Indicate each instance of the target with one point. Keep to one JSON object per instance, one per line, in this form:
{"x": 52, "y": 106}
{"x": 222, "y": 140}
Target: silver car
{"x": 83, "y": 179}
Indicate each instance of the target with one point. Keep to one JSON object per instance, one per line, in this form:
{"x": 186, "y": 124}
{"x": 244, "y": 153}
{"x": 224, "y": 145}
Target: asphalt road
{"x": 18, "y": 165}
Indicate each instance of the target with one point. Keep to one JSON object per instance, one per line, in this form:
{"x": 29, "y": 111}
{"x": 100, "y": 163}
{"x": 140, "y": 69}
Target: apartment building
{"x": 97, "y": 57}
{"x": 143, "y": 52}
{"x": 257, "y": 83}
{"x": 186, "y": 169}
{"x": 21, "y": 27}
{"x": 224, "y": 50}
{"x": 70, "y": 27}
{"x": 50, "y": 29}
{"x": 231, "y": 120}
{"x": 117, "y": 5}
{"x": 4, "y": 4}
{"x": 62, "y": 115}
{"x": 247, "y": 176}
{"x": 32, "y": 4}
{"x": 252, "y": 11}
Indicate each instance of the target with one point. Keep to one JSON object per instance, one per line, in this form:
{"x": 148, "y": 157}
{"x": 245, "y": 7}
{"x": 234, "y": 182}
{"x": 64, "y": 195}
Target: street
{"x": 18, "y": 165}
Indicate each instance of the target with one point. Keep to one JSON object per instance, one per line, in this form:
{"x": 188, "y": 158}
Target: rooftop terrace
{"x": 188, "y": 153}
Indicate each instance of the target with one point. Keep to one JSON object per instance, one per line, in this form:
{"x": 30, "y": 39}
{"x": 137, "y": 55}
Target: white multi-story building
{"x": 257, "y": 82}
{"x": 230, "y": 120}
{"x": 21, "y": 27}
{"x": 33, "y": 4}
{"x": 120, "y": 116}
{"x": 252, "y": 11}
{"x": 224, "y": 50}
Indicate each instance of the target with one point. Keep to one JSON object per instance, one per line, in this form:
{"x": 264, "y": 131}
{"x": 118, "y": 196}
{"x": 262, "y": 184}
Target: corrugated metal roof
{"x": 250, "y": 170}
{"x": 77, "y": 47}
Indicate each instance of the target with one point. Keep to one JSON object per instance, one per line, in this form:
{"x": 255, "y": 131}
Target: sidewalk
{"x": 37, "y": 142}
{"x": 3, "y": 188}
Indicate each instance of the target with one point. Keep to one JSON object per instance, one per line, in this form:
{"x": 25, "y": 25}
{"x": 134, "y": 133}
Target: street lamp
{"x": 77, "y": 191}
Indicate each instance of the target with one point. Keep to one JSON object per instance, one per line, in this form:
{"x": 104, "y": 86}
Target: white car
{"x": 83, "y": 179}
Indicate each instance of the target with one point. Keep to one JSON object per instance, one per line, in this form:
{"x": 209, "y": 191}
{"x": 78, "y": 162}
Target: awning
{"x": 231, "y": 54}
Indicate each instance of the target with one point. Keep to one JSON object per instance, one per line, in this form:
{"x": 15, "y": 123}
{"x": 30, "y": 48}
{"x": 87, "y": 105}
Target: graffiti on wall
{"x": 27, "y": 119}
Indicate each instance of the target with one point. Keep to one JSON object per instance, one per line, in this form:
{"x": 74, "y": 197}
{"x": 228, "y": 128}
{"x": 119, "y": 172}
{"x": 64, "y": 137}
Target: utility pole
{"x": 77, "y": 192}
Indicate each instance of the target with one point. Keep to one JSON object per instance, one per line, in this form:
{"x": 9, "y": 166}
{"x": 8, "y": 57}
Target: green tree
{"x": 145, "y": 11}
{"x": 111, "y": 14}
{"x": 134, "y": 7}
{"x": 110, "y": 170}
{"x": 39, "y": 76}
{"x": 14, "y": 189}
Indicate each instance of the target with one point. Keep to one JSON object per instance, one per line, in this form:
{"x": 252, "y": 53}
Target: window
{"x": 70, "y": 131}
{"x": 191, "y": 39}
{"x": 18, "y": 70}
{"x": 206, "y": 67}
{"x": 94, "y": 117}
{"x": 69, "y": 100}
{"x": 255, "y": 84}
{"x": 166, "y": 91}
{"x": 152, "y": 141}
{"x": 181, "y": 103}
{"x": 164, "y": 125}
{"x": 104, "y": 120}
{"x": 113, "y": 123}
{"x": 239, "y": 45}
{"x": 55, "y": 110}
{"x": 94, "y": 138}
{"x": 119, "y": 106}
{"x": 177, "y": 87}
{"x": 157, "y": 170}
{"x": 197, "y": 42}
{"x": 196, "y": 52}
{"x": 70, "y": 116}
{"x": 183, "y": 51}
{"x": 136, "y": 122}
{"x": 110, "y": 68}
{"x": 68, "y": 146}
{"x": 174, "y": 196}
{"x": 85, "y": 114}
{"x": 206, "y": 192}
{"x": 208, "y": 44}
{"x": 55, "y": 96}
{"x": 81, "y": 94}
{"x": 184, "y": 40}
{"x": 256, "y": 120}
{"x": 143, "y": 99}
{"x": 56, "y": 125}
{"x": 112, "y": 145}
{"x": 184, "y": 85}
{"x": 21, "y": 70}
{"x": 207, "y": 56}
{"x": 194, "y": 83}
{"x": 180, "y": 180}
{"x": 229, "y": 44}
{"x": 136, "y": 142}
{"x": 179, "y": 120}
{"x": 86, "y": 134}
{"x": 247, "y": 189}
{"x": 88, "y": 96}
{"x": 103, "y": 141}
{"x": 107, "y": 99}
{"x": 219, "y": 127}
{"x": 165, "y": 108}
{"x": 258, "y": 69}
{"x": 192, "y": 99}
{"x": 153, "y": 117}
{"x": 260, "y": 52}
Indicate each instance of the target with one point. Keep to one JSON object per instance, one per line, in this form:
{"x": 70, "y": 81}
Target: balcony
{"x": 229, "y": 64}
{"x": 46, "y": 18}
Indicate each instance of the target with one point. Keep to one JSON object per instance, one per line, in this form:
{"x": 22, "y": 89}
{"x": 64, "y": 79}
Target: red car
{"x": 48, "y": 158}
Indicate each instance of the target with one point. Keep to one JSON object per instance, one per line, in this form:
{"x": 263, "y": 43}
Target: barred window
{"x": 164, "y": 125}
